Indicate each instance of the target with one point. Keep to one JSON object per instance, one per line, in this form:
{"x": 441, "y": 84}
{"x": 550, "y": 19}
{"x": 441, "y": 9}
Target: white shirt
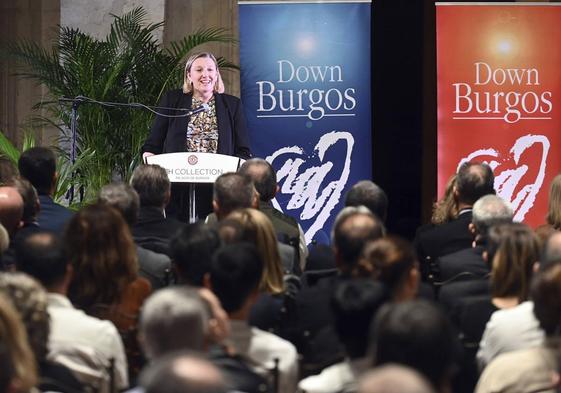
{"x": 510, "y": 330}
{"x": 261, "y": 348}
{"x": 76, "y": 336}
{"x": 336, "y": 377}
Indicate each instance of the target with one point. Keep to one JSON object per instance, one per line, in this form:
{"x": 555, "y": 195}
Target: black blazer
{"x": 167, "y": 135}
{"x": 469, "y": 260}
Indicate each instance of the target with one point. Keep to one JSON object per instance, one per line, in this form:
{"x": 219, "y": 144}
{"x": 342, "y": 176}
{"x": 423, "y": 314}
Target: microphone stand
{"x": 75, "y": 103}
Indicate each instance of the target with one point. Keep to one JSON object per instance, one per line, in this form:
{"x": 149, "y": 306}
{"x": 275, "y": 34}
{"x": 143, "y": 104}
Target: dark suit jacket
{"x": 153, "y": 231}
{"x": 167, "y": 135}
{"x": 53, "y": 217}
{"x": 468, "y": 260}
{"x": 443, "y": 239}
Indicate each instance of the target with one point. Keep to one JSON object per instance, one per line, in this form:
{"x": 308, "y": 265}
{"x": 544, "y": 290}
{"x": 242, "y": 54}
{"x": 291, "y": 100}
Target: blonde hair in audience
{"x": 258, "y": 228}
{"x": 14, "y": 337}
{"x": 446, "y": 208}
{"x": 553, "y": 217}
{"x": 517, "y": 251}
{"x": 103, "y": 254}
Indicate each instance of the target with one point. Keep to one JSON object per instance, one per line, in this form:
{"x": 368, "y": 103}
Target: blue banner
{"x": 305, "y": 82}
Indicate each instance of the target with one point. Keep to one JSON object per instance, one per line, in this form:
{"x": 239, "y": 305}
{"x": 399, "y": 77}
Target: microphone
{"x": 202, "y": 108}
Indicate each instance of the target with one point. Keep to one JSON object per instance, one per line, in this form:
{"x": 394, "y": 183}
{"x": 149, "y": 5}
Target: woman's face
{"x": 203, "y": 75}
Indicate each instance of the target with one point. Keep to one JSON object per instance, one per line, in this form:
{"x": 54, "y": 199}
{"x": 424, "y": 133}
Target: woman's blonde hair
{"x": 513, "y": 249}
{"x": 446, "y": 208}
{"x": 188, "y": 86}
{"x": 553, "y": 217}
{"x": 13, "y": 338}
{"x": 257, "y": 228}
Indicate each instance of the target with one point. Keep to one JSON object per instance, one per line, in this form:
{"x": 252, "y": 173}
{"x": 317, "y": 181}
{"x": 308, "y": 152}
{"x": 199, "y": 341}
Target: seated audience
{"x": 533, "y": 369}
{"x": 19, "y": 369}
{"x": 235, "y": 277}
{"x": 86, "y": 345}
{"x": 153, "y": 266}
{"x": 418, "y": 335}
{"x": 392, "y": 261}
{"x": 394, "y": 378}
{"x": 173, "y": 319}
{"x": 473, "y": 181}
{"x": 367, "y": 193}
{"x": 314, "y": 334}
{"x": 553, "y": 217}
{"x": 183, "y": 373}
{"x": 354, "y": 305}
{"x": 286, "y": 227}
{"x": 38, "y": 165}
{"x": 191, "y": 250}
{"x": 30, "y": 301}
{"x": 153, "y": 230}
{"x": 105, "y": 282}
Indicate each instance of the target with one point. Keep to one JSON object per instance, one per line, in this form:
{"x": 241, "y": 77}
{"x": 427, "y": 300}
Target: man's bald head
{"x": 552, "y": 251}
{"x": 11, "y": 209}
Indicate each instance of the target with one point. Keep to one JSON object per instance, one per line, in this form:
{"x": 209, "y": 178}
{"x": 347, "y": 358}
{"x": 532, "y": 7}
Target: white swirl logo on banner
{"x": 510, "y": 171}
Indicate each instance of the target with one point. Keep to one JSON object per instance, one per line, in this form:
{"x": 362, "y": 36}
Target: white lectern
{"x": 195, "y": 168}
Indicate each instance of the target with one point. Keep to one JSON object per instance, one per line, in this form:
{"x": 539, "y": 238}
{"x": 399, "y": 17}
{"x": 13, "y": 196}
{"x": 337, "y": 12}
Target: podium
{"x": 195, "y": 168}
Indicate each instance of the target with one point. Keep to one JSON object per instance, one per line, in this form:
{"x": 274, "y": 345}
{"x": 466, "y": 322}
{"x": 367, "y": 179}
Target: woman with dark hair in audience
{"x": 30, "y": 300}
{"x": 392, "y": 261}
{"x": 18, "y": 368}
{"x": 106, "y": 283}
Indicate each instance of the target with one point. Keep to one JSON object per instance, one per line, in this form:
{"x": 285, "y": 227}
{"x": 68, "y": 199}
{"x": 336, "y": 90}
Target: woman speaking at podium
{"x": 216, "y": 123}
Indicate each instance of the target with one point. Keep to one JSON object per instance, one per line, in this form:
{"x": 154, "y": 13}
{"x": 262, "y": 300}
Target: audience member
{"x": 367, "y": 193}
{"x": 11, "y": 212}
{"x": 314, "y": 334}
{"x": 257, "y": 229}
{"x": 231, "y": 191}
{"x": 553, "y": 217}
{"x": 191, "y": 250}
{"x": 445, "y": 209}
{"x": 236, "y": 273}
{"x": 183, "y": 373}
{"x": 30, "y": 300}
{"x": 8, "y": 171}
{"x": 532, "y": 369}
{"x": 468, "y": 263}
{"x": 19, "y": 369}
{"x": 153, "y": 266}
{"x": 286, "y": 227}
{"x": 354, "y": 305}
{"x": 392, "y": 261}
{"x": 31, "y": 208}
{"x": 153, "y": 230}
{"x": 418, "y": 335}
{"x": 38, "y": 165}
{"x": 172, "y": 319}
{"x": 85, "y": 344}
{"x": 473, "y": 181}
{"x": 105, "y": 283}
{"x": 394, "y": 378}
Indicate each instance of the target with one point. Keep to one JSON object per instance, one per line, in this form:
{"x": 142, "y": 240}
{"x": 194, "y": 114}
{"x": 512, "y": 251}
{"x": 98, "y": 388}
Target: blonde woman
{"x": 257, "y": 229}
{"x": 19, "y": 369}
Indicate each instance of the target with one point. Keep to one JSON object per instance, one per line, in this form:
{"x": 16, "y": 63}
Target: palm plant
{"x": 128, "y": 66}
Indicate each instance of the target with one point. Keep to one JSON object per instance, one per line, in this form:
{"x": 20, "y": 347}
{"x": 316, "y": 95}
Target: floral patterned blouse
{"x": 202, "y": 130}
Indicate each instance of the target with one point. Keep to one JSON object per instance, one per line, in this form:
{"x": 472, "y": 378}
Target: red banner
{"x": 499, "y": 79}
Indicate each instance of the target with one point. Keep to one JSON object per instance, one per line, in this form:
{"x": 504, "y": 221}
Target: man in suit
{"x": 487, "y": 211}
{"x": 474, "y": 180}
{"x": 369, "y": 194}
{"x": 38, "y": 165}
{"x": 153, "y": 230}
{"x": 287, "y": 228}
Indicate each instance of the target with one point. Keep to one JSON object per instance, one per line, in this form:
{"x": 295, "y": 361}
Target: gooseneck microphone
{"x": 202, "y": 108}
